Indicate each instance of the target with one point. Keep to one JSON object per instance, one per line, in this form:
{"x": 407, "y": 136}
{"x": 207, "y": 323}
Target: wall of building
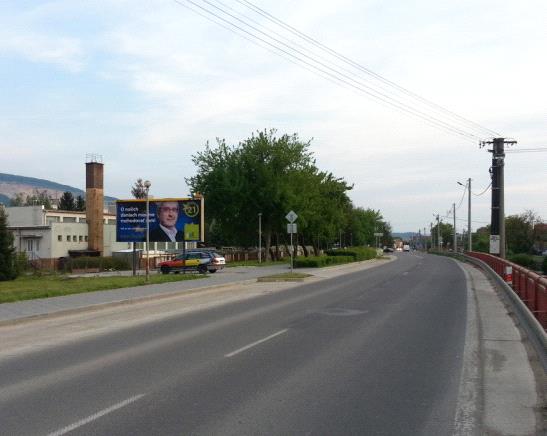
{"x": 26, "y": 216}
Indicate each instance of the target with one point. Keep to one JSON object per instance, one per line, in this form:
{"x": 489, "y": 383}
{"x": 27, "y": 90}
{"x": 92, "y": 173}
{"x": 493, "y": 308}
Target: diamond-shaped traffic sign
{"x": 291, "y": 216}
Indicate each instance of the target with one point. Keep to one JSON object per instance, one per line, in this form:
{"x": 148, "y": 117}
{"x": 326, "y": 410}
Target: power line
{"x": 483, "y": 192}
{"x": 321, "y": 68}
{"x": 367, "y": 71}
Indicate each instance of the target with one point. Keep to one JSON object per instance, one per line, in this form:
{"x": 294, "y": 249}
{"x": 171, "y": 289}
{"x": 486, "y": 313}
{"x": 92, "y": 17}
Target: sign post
{"x": 291, "y": 228}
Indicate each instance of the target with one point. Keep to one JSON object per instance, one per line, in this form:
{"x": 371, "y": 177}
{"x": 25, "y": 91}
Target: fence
{"x": 529, "y": 286}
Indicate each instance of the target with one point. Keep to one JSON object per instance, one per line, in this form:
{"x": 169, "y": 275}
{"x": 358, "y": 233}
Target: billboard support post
{"x": 147, "y": 186}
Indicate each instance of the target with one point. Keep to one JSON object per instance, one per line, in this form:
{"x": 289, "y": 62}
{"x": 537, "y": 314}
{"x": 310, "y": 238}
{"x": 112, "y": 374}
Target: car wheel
{"x": 212, "y": 271}
{"x": 165, "y": 269}
{"x": 202, "y": 269}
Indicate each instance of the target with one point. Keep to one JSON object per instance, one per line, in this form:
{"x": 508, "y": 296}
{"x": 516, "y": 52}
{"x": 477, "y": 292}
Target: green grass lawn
{"x": 255, "y": 263}
{"x": 30, "y": 287}
{"x": 284, "y": 277}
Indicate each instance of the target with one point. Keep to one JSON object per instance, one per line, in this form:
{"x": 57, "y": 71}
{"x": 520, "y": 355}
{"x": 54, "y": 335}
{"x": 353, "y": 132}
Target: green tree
{"x": 8, "y": 269}
{"x": 259, "y": 175}
{"x": 80, "y": 203}
{"x": 519, "y": 231}
{"x": 39, "y": 198}
{"x": 447, "y": 235}
{"x": 66, "y": 202}
{"x": 481, "y": 239}
{"x": 138, "y": 190}
{"x": 18, "y": 200}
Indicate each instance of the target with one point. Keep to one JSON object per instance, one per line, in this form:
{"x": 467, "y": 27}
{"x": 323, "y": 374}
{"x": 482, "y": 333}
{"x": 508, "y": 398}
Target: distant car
{"x": 406, "y": 247}
{"x": 193, "y": 260}
{"x": 544, "y": 253}
{"x": 388, "y": 250}
{"x": 399, "y": 249}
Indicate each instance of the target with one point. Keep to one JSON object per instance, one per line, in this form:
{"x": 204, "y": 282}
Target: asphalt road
{"x": 377, "y": 351}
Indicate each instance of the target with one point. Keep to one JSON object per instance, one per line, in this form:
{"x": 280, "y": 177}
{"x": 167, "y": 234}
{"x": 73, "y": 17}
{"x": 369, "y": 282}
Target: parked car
{"x": 194, "y": 260}
{"x": 388, "y": 250}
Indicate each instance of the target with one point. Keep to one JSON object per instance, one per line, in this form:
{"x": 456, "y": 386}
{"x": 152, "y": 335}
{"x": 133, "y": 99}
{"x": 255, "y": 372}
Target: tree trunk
{"x": 268, "y": 243}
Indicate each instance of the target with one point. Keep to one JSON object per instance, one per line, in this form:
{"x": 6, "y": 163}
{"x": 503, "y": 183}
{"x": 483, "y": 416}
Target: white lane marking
{"x": 246, "y": 347}
{"x": 96, "y": 416}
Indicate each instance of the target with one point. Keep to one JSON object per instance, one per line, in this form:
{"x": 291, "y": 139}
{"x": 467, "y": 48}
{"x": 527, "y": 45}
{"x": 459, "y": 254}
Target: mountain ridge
{"x": 11, "y": 184}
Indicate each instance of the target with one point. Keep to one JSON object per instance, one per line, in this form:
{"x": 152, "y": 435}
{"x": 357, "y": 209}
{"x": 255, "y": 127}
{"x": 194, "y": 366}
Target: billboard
{"x": 170, "y": 220}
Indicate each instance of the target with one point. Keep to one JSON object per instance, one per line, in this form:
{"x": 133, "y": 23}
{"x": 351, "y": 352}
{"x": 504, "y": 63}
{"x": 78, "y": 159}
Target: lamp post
{"x": 147, "y": 188}
{"x": 260, "y": 237}
{"x": 469, "y": 234}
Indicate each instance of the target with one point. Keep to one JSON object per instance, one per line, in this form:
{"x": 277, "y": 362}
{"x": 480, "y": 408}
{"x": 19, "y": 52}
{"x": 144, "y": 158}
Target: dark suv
{"x": 194, "y": 260}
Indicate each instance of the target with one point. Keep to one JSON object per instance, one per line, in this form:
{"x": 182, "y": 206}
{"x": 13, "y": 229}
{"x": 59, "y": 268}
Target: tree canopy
{"x": 66, "y": 202}
{"x": 8, "y": 268}
{"x": 269, "y": 175}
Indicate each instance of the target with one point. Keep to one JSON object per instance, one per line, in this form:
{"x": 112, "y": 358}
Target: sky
{"x": 146, "y": 84}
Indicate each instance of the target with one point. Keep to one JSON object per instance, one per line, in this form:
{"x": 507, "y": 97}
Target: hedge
{"x": 358, "y": 253}
{"x": 102, "y": 263}
{"x": 321, "y": 261}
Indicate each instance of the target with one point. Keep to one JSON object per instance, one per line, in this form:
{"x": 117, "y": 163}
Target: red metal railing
{"x": 529, "y": 286}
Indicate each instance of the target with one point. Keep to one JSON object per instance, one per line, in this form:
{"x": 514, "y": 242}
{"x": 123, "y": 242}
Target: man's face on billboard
{"x": 168, "y": 213}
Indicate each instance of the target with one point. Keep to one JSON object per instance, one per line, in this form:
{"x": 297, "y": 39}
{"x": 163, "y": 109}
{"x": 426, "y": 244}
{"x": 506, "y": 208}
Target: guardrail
{"x": 529, "y": 286}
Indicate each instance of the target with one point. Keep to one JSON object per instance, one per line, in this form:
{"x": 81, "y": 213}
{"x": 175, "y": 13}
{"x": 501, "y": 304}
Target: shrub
{"x": 358, "y": 253}
{"x": 102, "y": 263}
{"x": 335, "y": 260}
{"x": 21, "y": 262}
{"x": 310, "y": 262}
{"x": 522, "y": 259}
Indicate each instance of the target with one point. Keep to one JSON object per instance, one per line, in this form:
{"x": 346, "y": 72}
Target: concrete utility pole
{"x": 455, "y": 236}
{"x": 497, "y": 222}
{"x": 469, "y": 235}
{"x": 438, "y": 233}
{"x": 260, "y": 237}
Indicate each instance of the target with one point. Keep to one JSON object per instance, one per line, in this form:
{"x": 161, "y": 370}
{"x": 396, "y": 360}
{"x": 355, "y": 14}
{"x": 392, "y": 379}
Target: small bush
{"x": 102, "y": 263}
{"x": 336, "y": 260}
{"x": 358, "y": 253}
{"x": 310, "y": 262}
{"x": 522, "y": 259}
{"x": 21, "y": 262}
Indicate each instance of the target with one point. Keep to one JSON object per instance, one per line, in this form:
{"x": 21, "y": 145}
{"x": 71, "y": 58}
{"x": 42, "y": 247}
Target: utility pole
{"x": 469, "y": 237}
{"x": 497, "y": 222}
{"x": 425, "y": 240}
{"x": 455, "y": 236}
{"x": 438, "y": 233}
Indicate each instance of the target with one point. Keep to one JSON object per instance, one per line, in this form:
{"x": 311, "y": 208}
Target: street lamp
{"x": 147, "y": 189}
{"x": 260, "y": 237}
{"x": 469, "y": 235}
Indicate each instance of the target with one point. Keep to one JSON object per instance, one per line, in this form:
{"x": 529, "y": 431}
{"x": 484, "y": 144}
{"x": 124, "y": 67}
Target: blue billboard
{"x": 170, "y": 220}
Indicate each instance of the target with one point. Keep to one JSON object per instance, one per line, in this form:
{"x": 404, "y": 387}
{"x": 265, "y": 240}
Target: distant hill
{"x": 11, "y": 184}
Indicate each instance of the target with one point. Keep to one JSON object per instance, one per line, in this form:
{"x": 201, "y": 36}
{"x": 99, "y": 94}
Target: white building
{"x": 47, "y": 235}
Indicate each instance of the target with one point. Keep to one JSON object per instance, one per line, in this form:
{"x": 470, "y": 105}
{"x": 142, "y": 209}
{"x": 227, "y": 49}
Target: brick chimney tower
{"x": 94, "y": 202}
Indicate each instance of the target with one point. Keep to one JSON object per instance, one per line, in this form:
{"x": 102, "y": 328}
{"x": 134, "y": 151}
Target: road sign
{"x": 291, "y": 228}
{"x": 378, "y": 234}
{"x": 291, "y": 216}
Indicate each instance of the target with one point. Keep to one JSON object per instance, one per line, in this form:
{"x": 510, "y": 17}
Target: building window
{"x": 82, "y": 220}
{"x": 69, "y": 219}
{"x": 81, "y": 238}
{"x": 68, "y": 238}
{"x": 60, "y": 238}
{"x": 52, "y": 219}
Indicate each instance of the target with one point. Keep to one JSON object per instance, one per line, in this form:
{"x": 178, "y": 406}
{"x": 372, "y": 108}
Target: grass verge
{"x": 255, "y": 263}
{"x": 284, "y": 277}
{"x": 31, "y": 287}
